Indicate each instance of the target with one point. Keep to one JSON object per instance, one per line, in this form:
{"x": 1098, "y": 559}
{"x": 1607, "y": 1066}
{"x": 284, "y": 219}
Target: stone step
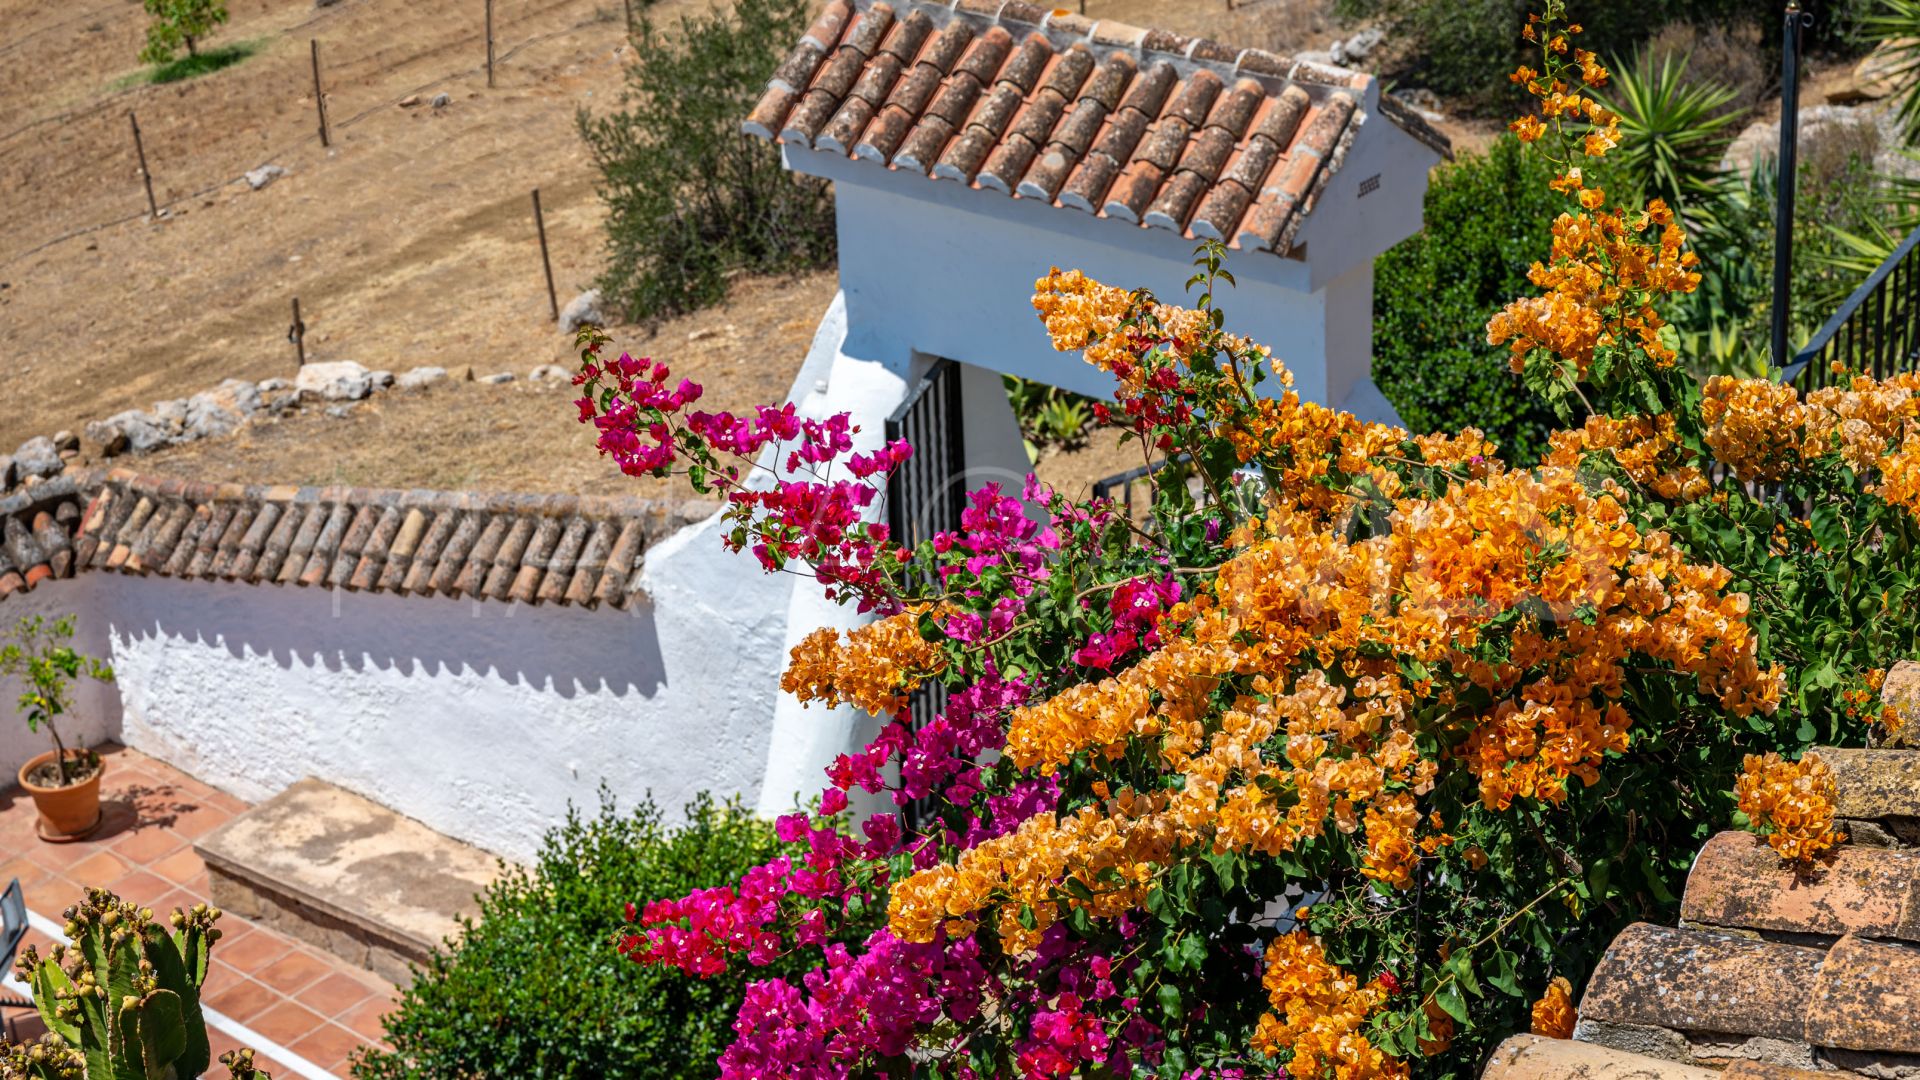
{"x": 1739, "y": 883}
{"x": 347, "y": 875}
{"x": 1531, "y": 1057}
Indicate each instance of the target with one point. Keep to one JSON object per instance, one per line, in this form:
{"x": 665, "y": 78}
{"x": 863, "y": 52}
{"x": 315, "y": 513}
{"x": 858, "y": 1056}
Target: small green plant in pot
{"x": 121, "y": 1001}
{"x": 64, "y": 782}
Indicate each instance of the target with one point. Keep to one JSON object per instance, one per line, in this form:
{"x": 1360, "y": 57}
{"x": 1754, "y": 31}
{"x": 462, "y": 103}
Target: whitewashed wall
{"x": 482, "y": 720}
{"x": 947, "y": 270}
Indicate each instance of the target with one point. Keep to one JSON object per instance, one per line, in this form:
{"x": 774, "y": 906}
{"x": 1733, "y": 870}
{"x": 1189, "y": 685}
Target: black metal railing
{"x": 926, "y": 495}
{"x": 1876, "y": 331}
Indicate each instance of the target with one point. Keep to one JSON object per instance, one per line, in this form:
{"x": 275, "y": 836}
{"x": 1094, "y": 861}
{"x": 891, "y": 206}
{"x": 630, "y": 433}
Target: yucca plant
{"x": 1675, "y": 127}
{"x": 1895, "y": 25}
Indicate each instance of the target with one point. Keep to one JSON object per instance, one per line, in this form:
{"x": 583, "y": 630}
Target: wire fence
{"x": 115, "y": 154}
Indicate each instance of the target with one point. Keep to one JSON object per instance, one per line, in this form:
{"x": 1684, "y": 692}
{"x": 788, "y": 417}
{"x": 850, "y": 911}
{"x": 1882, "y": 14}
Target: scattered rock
{"x": 268, "y": 386}
{"x": 441, "y": 101}
{"x": 550, "y": 373}
{"x": 1879, "y": 74}
{"x": 411, "y": 101}
{"x": 1355, "y": 49}
{"x": 584, "y": 308}
{"x": 419, "y": 377}
{"x": 131, "y": 430}
{"x": 340, "y": 412}
{"x": 1423, "y": 101}
{"x": 237, "y": 395}
{"x": 381, "y": 379}
{"x": 6, "y": 473}
{"x": 220, "y": 411}
{"x": 171, "y": 414}
{"x": 264, "y": 175}
{"x": 37, "y": 457}
{"x": 1760, "y": 142}
{"x": 702, "y": 334}
{"x": 496, "y": 380}
{"x": 65, "y": 440}
{"x": 336, "y": 380}
{"x": 108, "y": 438}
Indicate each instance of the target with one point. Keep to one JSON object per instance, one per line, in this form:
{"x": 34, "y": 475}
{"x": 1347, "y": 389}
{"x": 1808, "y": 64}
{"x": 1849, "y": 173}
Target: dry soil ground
{"x": 410, "y": 242}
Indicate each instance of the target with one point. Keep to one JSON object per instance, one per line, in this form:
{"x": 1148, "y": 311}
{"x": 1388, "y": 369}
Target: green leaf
{"x": 1170, "y": 1004}
{"x": 1448, "y": 997}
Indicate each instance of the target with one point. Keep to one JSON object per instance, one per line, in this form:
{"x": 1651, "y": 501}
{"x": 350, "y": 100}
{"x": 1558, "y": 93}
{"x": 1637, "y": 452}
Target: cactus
{"x": 121, "y": 1001}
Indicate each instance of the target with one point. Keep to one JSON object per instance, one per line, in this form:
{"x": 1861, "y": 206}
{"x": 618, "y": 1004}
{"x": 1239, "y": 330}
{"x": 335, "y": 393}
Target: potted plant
{"x": 64, "y": 782}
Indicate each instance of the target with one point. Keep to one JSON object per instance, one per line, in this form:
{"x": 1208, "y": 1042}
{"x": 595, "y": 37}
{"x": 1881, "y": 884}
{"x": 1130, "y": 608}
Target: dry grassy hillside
{"x": 410, "y": 242}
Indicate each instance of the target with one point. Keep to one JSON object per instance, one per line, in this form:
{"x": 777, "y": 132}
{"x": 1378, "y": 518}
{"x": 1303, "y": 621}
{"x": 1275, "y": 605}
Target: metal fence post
{"x": 1784, "y": 186}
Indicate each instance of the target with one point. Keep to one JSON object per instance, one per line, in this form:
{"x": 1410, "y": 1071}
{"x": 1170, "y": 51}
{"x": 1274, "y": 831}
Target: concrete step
{"x": 347, "y": 875}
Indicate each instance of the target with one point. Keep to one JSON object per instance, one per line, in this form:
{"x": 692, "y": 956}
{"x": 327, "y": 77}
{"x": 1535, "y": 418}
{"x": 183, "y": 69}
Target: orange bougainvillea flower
{"x": 1553, "y": 1014}
{"x": 1790, "y": 803}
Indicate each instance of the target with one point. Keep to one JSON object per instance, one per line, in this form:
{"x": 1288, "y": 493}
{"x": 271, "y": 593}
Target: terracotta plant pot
{"x": 66, "y": 813}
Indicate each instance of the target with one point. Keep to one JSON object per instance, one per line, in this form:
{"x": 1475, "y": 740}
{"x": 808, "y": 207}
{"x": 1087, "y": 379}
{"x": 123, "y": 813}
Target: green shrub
{"x": 1466, "y": 47}
{"x": 177, "y": 23}
{"x": 1487, "y": 220}
{"x": 535, "y": 986}
{"x": 689, "y": 198}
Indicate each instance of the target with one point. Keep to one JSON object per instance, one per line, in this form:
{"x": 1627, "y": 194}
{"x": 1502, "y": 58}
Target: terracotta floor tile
{"x": 364, "y": 1018}
{"x": 240, "y": 998}
{"x": 52, "y": 894}
{"x": 335, "y": 994}
{"x": 147, "y": 844}
{"x": 200, "y": 819}
{"x": 60, "y": 858}
{"x": 252, "y": 952}
{"x": 287, "y": 1023}
{"x": 177, "y": 898}
{"x": 141, "y": 887}
{"x": 293, "y": 972}
{"x": 98, "y": 868}
{"x": 182, "y": 867}
{"x": 327, "y": 1047}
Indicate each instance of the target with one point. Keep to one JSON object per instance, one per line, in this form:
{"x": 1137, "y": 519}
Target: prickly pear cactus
{"x": 121, "y": 1001}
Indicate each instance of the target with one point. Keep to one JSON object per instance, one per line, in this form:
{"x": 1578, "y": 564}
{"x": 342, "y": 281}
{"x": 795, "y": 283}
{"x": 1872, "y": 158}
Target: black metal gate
{"x": 926, "y": 495}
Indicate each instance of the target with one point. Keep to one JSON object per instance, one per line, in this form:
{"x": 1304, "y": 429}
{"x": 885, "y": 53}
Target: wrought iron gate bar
{"x": 1877, "y": 329}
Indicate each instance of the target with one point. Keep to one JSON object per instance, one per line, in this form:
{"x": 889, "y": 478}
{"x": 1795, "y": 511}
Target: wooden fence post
{"x": 489, "y": 44}
{"x": 146, "y": 177}
{"x": 297, "y": 333}
{"x": 540, "y": 223}
{"x": 319, "y": 95}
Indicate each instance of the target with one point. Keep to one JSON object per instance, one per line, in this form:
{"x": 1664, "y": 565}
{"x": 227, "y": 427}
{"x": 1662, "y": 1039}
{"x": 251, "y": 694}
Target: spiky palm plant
{"x": 1676, "y": 126}
{"x": 1895, "y": 26}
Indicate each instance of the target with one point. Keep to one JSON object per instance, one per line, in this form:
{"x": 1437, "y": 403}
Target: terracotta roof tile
{"x": 1739, "y": 882}
{"x": 1865, "y": 998}
{"x": 565, "y": 549}
{"x": 1201, "y": 138}
{"x": 1689, "y": 980}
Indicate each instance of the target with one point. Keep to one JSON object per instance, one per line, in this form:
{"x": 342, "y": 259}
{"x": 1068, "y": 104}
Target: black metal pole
{"x": 1784, "y": 186}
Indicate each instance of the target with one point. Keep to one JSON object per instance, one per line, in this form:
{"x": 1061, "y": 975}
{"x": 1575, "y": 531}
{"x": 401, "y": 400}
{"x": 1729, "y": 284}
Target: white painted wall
{"x": 482, "y": 720}
{"x": 948, "y": 270}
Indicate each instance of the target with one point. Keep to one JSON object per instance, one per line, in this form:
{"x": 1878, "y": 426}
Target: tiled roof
{"x": 563, "y": 549}
{"x": 1773, "y": 969}
{"x": 1139, "y": 126}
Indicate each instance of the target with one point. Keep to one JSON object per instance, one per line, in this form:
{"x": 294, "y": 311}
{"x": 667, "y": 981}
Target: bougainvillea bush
{"x": 1356, "y": 754}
